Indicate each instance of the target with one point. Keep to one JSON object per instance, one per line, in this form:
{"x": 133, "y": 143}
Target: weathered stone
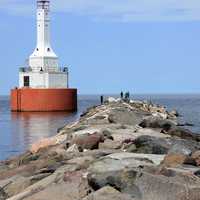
{"x": 174, "y": 160}
{"x": 122, "y": 180}
{"x": 131, "y": 148}
{"x": 160, "y": 187}
{"x": 88, "y": 141}
{"x": 196, "y": 157}
{"x": 107, "y": 134}
{"x": 174, "y": 113}
{"x": 155, "y": 145}
{"x": 110, "y": 144}
{"x": 74, "y": 186}
{"x": 151, "y": 145}
{"x": 17, "y": 184}
{"x": 73, "y": 149}
{"x": 118, "y": 161}
{"x": 82, "y": 162}
{"x": 108, "y": 193}
{"x": 157, "y": 122}
{"x": 47, "y": 142}
{"x": 183, "y": 133}
{"x": 117, "y": 170}
{"x": 3, "y": 195}
{"x": 125, "y": 116}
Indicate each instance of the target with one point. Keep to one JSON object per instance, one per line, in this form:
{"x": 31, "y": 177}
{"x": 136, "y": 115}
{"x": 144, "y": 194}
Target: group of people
{"x": 124, "y": 96}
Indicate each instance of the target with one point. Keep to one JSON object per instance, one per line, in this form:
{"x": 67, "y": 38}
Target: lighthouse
{"x": 43, "y": 84}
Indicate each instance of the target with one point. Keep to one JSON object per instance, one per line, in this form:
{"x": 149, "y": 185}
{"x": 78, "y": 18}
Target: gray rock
{"x": 149, "y": 183}
{"x": 64, "y": 185}
{"x": 154, "y": 145}
{"x": 183, "y": 133}
{"x": 151, "y": 145}
{"x": 108, "y": 193}
{"x": 157, "y": 122}
{"x": 173, "y": 186}
{"x": 88, "y": 141}
{"x": 130, "y": 148}
{"x": 122, "y": 180}
{"x": 110, "y": 144}
{"x": 125, "y": 116}
{"x": 3, "y": 195}
{"x": 118, "y": 171}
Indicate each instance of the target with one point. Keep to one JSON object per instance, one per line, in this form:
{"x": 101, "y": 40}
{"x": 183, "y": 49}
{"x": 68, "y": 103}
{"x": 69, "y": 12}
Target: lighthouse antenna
{"x": 43, "y": 4}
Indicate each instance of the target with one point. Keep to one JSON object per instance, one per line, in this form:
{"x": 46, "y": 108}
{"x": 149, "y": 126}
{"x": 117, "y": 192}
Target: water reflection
{"x": 19, "y": 130}
{"x": 29, "y": 127}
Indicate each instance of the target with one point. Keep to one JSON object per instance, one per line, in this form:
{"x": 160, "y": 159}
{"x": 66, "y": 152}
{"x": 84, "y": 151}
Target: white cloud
{"x": 119, "y": 10}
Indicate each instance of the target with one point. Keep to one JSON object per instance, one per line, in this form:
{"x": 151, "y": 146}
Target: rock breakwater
{"x": 119, "y": 150}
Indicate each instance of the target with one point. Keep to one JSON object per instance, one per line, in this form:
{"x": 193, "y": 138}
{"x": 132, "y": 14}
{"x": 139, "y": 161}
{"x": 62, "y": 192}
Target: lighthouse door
{"x": 26, "y": 81}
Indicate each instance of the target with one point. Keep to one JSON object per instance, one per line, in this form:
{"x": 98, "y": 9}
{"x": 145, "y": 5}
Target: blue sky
{"x": 110, "y": 45}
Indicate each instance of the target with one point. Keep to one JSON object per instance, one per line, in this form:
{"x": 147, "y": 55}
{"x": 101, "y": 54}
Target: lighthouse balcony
{"x": 40, "y": 69}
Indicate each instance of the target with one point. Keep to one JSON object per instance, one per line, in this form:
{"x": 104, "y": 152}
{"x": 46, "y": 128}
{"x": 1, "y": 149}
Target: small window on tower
{"x": 26, "y": 81}
{"x": 37, "y": 49}
{"x": 48, "y": 49}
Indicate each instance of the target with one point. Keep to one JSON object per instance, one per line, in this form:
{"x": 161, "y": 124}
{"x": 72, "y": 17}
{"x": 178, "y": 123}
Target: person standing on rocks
{"x": 102, "y": 99}
{"x": 127, "y": 96}
{"x": 122, "y": 95}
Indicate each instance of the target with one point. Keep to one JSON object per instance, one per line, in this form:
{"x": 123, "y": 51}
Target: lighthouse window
{"x": 37, "y": 49}
{"x": 26, "y": 81}
{"x": 48, "y": 49}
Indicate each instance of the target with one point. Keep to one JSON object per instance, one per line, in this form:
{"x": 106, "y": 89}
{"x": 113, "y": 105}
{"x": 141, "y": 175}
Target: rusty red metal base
{"x": 27, "y": 99}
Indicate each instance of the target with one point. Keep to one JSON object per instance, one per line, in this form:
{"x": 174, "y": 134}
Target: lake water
{"x": 19, "y": 130}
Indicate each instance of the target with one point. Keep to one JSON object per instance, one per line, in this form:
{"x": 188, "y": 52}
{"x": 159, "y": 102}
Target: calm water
{"x": 19, "y": 130}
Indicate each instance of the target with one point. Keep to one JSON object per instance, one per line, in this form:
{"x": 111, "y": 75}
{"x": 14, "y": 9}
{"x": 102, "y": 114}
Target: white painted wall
{"x": 57, "y": 80}
{"x": 44, "y": 79}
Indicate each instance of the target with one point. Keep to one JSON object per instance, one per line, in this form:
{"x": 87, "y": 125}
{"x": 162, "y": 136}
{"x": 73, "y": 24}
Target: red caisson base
{"x": 43, "y": 100}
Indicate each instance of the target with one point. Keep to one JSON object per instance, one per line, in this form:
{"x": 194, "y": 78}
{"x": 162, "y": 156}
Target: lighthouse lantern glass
{"x": 43, "y": 5}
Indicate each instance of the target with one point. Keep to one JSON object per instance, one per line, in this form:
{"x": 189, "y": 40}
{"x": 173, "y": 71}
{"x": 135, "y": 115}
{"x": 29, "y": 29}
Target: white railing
{"x": 29, "y": 69}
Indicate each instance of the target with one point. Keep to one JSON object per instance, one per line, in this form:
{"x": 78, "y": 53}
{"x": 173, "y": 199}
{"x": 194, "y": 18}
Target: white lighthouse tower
{"x": 43, "y": 85}
{"x": 43, "y": 70}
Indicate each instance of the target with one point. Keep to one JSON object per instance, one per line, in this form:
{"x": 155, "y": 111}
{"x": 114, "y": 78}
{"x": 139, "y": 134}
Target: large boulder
{"x": 155, "y": 186}
{"x": 157, "y": 122}
{"x": 155, "y": 145}
{"x": 122, "y": 180}
{"x": 151, "y": 145}
{"x": 16, "y": 185}
{"x": 73, "y": 185}
{"x": 117, "y": 170}
{"x": 47, "y": 142}
{"x": 126, "y": 116}
{"x": 88, "y": 141}
{"x": 108, "y": 193}
{"x": 183, "y": 133}
{"x": 174, "y": 160}
{"x": 147, "y": 182}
